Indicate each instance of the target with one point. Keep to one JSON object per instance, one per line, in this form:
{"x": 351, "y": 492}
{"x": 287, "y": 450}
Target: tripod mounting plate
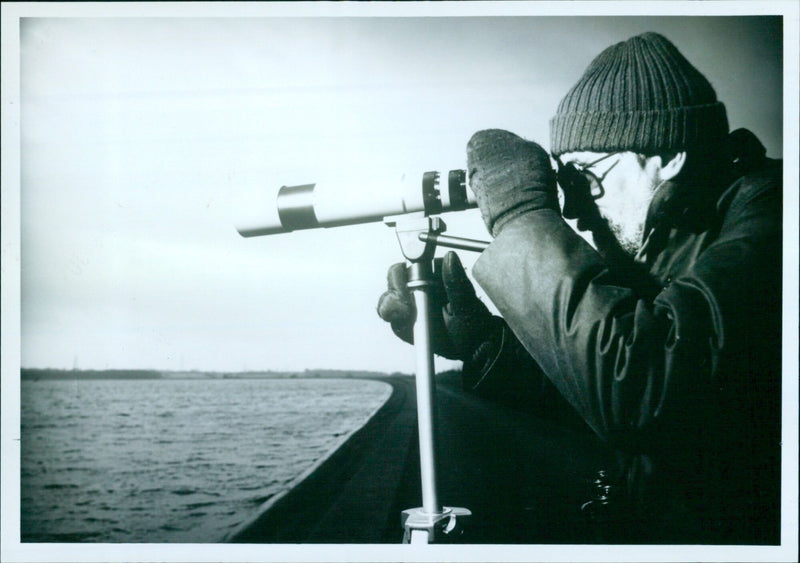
{"x": 447, "y": 523}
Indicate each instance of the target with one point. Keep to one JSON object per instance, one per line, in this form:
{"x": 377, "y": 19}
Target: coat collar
{"x": 688, "y": 204}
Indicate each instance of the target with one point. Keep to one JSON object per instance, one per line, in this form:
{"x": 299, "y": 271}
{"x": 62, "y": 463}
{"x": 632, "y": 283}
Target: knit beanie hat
{"x": 640, "y": 95}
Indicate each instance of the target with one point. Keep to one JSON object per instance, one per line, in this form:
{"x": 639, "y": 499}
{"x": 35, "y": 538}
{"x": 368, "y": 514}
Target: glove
{"x": 460, "y": 322}
{"x": 510, "y": 176}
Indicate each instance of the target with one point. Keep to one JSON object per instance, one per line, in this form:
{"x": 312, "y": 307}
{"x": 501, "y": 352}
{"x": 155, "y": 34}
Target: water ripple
{"x": 172, "y": 460}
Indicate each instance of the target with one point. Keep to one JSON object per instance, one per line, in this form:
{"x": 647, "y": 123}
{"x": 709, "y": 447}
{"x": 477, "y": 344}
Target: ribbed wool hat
{"x": 639, "y": 95}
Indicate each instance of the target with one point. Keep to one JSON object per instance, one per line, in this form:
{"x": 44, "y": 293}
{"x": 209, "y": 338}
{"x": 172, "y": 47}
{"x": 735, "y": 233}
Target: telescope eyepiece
{"x": 457, "y": 189}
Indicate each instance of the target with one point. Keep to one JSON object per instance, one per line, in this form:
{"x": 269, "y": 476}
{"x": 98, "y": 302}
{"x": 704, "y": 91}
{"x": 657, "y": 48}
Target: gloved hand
{"x": 510, "y": 176}
{"x": 460, "y": 322}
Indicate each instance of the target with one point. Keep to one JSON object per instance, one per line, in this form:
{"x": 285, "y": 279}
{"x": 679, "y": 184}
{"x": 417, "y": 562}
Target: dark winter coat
{"x": 678, "y": 372}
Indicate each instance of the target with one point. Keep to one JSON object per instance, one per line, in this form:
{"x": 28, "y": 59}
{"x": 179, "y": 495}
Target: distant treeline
{"x": 35, "y": 374}
{"x": 46, "y": 373}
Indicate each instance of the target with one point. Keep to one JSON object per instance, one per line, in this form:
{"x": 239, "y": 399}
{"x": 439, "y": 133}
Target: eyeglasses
{"x": 574, "y": 179}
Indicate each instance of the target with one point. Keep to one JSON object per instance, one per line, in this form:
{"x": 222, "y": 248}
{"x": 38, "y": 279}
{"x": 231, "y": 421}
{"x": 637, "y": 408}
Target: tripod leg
{"x": 419, "y": 536}
{"x": 424, "y": 524}
{"x": 425, "y": 389}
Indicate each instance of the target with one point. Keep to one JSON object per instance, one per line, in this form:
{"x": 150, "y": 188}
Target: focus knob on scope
{"x": 329, "y": 204}
{"x": 455, "y": 199}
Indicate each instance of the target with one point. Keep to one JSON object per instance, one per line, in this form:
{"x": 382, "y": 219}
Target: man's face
{"x": 628, "y": 182}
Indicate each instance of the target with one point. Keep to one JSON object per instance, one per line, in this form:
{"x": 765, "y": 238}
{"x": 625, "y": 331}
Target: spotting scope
{"x": 335, "y": 204}
{"x": 413, "y": 212}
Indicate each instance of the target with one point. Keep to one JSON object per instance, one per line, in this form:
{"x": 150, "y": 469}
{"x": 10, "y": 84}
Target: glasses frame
{"x": 593, "y": 179}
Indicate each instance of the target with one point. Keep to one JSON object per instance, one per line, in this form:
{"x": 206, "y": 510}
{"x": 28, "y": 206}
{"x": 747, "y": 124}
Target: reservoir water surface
{"x": 173, "y": 460}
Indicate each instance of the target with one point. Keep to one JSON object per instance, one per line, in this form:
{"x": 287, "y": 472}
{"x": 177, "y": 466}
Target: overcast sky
{"x": 138, "y": 134}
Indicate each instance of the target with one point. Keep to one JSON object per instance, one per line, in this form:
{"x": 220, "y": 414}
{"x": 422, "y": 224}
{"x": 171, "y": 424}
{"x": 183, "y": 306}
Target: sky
{"x": 138, "y": 136}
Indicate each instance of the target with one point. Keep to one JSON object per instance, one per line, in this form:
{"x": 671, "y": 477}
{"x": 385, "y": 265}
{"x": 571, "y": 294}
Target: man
{"x": 665, "y": 337}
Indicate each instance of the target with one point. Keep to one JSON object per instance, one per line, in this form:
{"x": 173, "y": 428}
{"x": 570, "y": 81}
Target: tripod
{"x": 419, "y": 236}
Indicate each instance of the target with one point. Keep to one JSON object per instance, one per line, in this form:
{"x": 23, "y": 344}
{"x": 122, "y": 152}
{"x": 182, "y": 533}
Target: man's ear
{"x": 670, "y": 168}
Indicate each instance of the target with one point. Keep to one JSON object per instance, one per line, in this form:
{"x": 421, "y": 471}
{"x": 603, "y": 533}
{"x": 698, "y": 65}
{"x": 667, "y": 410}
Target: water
{"x": 173, "y": 460}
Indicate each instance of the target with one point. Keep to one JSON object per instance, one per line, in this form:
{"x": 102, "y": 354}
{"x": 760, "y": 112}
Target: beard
{"x": 618, "y": 248}
{"x": 628, "y": 240}
{"x": 613, "y": 241}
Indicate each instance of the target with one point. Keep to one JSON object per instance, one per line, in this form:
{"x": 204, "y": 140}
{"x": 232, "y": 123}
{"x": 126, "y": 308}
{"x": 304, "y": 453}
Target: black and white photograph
{"x": 424, "y": 281}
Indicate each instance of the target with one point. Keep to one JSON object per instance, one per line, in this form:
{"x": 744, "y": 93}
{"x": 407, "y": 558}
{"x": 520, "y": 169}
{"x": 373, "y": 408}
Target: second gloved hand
{"x": 510, "y": 176}
{"x": 460, "y": 322}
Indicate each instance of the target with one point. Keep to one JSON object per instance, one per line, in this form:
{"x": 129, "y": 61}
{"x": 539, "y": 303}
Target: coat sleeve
{"x": 502, "y": 370}
{"x": 631, "y": 364}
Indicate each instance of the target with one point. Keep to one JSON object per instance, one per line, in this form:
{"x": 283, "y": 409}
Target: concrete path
{"x": 524, "y": 479}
